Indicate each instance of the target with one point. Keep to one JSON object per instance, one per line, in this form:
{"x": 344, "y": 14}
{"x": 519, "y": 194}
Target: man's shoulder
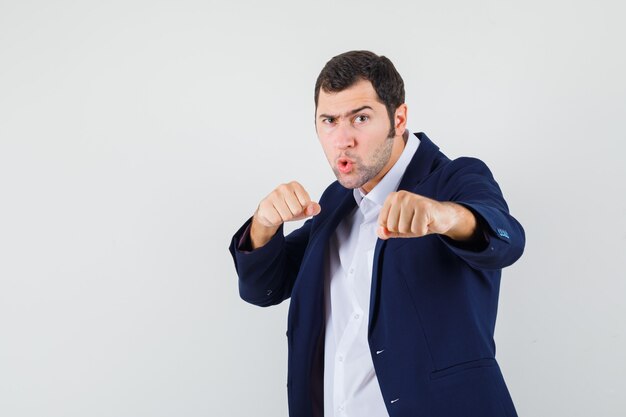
{"x": 441, "y": 164}
{"x": 465, "y": 165}
{"x": 444, "y": 173}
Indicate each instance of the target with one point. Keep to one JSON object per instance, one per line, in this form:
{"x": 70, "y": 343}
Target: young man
{"x": 394, "y": 278}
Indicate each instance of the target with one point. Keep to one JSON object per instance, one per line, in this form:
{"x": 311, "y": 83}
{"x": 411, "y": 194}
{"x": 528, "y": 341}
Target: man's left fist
{"x": 405, "y": 214}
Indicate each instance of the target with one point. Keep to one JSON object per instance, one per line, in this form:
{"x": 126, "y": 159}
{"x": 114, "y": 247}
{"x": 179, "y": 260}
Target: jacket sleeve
{"x": 468, "y": 181}
{"x": 267, "y": 274}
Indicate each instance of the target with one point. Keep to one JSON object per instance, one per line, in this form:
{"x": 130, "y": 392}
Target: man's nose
{"x": 344, "y": 137}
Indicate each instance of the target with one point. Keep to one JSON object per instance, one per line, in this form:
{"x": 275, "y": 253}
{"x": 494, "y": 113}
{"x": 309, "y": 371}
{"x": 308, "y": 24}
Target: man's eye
{"x": 360, "y": 119}
{"x": 329, "y": 120}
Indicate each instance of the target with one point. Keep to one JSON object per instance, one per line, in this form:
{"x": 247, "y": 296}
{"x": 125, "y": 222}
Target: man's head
{"x": 360, "y": 117}
{"x": 348, "y": 68}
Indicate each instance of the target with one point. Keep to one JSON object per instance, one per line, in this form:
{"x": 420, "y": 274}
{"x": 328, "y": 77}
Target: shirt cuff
{"x": 245, "y": 243}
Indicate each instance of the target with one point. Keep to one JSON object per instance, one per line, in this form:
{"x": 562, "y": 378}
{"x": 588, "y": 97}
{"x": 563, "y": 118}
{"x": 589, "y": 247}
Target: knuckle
{"x": 263, "y": 205}
{"x": 421, "y": 203}
{"x": 403, "y": 195}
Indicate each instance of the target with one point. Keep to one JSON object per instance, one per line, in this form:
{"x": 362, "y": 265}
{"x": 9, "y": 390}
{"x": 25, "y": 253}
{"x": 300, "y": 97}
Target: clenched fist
{"x": 288, "y": 202}
{"x": 405, "y": 214}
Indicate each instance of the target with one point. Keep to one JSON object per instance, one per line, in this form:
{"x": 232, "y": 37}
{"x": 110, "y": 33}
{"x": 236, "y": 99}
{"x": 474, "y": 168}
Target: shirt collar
{"x": 389, "y": 183}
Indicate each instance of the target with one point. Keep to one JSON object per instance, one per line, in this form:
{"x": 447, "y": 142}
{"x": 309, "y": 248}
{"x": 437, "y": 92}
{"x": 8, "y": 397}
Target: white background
{"x": 136, "y": 137}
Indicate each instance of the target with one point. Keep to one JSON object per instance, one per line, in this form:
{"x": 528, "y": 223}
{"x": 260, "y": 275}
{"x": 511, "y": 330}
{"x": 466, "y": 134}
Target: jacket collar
{"x": 421, "y": 164}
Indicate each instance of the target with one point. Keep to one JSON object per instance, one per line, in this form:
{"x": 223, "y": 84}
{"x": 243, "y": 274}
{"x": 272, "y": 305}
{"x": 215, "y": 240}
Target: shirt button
{"x": 340, "y": 358}
{"x": 356, "y": 316}
{"x": 352, "y": 270}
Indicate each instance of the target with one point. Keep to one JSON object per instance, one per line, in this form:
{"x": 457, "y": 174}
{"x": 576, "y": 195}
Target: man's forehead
{"x": 357, "y": 95}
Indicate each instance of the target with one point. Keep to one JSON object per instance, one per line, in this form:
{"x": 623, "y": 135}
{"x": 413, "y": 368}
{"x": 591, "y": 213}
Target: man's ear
{"x": 399, "y": 119}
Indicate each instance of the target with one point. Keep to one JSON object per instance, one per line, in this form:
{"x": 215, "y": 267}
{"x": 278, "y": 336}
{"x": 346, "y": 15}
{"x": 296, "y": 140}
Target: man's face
{"x": 353, "y": 127}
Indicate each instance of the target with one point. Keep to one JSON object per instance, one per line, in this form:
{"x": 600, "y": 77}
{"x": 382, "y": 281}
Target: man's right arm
{"x": 266, "y": 261}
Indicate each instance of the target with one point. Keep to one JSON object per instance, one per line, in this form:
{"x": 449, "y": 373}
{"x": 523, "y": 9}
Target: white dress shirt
{"x": 350, "y": 384}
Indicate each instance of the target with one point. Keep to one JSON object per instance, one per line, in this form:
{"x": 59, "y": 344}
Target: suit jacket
{"x": 433, "y": 300}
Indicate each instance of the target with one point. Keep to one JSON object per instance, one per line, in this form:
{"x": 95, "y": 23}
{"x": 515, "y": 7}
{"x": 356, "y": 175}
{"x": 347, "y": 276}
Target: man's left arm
{"x": 469, "y": 214}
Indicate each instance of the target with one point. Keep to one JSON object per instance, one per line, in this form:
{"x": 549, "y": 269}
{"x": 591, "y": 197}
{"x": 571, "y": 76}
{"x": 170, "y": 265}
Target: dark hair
{"x": 348, "y": 68}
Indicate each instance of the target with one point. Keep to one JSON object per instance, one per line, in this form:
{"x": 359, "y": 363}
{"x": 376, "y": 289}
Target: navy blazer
{"x": 433, "y": 300}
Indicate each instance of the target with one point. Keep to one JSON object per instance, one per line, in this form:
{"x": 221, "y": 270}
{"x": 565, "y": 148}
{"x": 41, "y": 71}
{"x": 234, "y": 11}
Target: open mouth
{"x": 344, "y": 165}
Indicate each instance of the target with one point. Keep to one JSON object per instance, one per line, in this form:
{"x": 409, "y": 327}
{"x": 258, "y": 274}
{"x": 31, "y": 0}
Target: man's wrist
{"x": 261, "y": 234}
{"x": 464, "y": 224}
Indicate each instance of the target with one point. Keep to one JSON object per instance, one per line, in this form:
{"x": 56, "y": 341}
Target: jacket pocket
{"x": 454, "y": 369}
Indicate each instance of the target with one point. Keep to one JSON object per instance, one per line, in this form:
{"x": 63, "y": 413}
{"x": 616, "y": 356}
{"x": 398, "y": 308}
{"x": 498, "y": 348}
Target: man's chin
{"x": 350, "y": 183}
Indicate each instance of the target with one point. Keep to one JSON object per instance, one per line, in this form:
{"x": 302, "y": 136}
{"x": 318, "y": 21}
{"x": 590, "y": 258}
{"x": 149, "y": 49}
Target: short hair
{"x": 344, "y": 70}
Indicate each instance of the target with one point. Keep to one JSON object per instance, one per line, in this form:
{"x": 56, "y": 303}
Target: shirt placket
{"x": 358, "y": 270}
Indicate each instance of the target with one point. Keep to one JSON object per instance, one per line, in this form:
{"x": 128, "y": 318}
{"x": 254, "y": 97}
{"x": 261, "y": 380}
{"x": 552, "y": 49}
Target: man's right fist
{"x": 288, "y": 202}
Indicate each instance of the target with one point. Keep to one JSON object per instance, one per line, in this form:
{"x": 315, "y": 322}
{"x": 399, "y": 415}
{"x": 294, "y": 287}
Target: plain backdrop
{"x": 137, "y": 136}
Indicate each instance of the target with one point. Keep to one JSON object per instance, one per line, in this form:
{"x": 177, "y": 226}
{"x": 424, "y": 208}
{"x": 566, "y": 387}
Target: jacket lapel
{"x": 311, "y": 280}
{"x": 420, "y": 166}
{"x": 329, "y": 224}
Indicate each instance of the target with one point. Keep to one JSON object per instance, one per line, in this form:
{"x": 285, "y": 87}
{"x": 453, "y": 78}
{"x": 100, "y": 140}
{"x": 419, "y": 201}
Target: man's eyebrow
{"x": 350, "y": 113}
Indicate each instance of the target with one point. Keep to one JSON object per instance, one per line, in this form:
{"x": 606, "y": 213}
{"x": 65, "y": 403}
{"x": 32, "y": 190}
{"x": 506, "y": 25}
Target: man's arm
{"x": 266, "y": 261}
{"x": 470, "y": 216}
{"x": 405, "y": 214}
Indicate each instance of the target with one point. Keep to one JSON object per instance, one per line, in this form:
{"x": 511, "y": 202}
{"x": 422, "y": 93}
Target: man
{"x": 394, "y": 277}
